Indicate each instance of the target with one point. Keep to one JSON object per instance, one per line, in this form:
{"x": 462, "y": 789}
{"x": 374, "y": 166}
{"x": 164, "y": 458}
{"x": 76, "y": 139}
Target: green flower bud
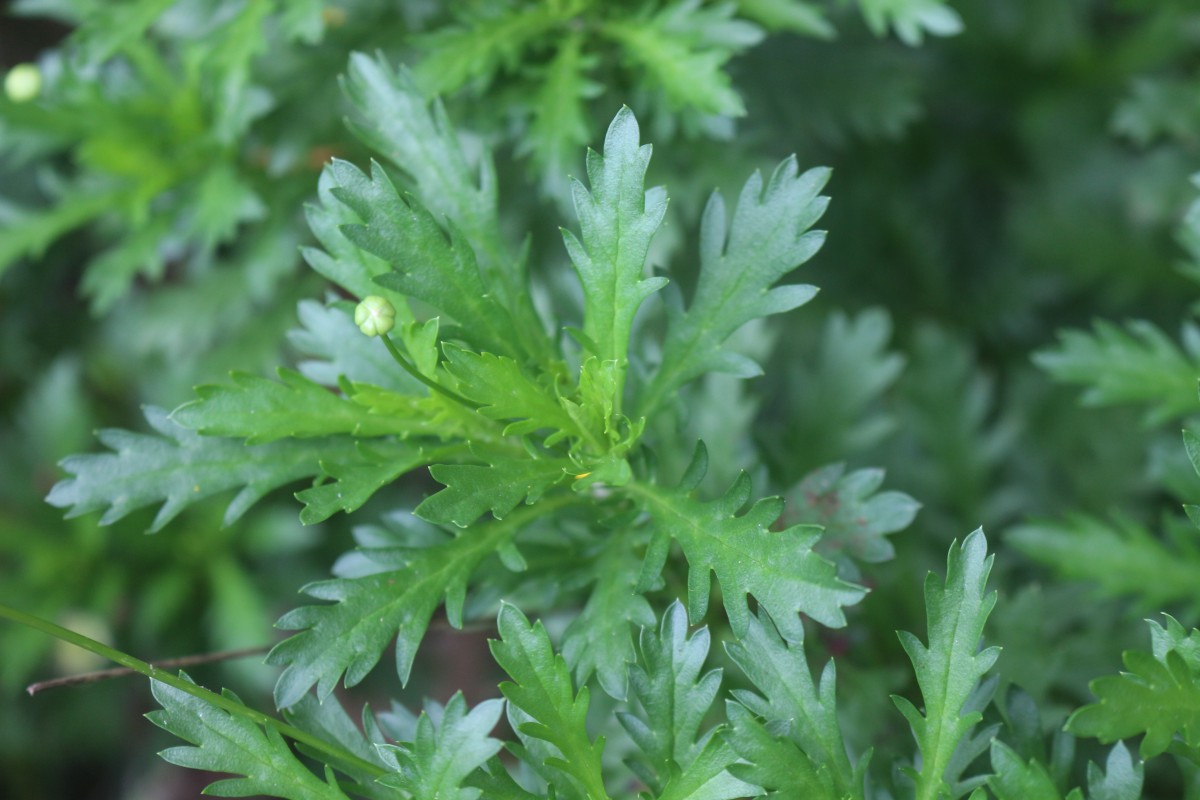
{"x": 375, "y": 316}
{"x": 23, "y": 83}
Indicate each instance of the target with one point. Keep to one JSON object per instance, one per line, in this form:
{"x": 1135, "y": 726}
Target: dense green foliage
{"x": 561, "y": 438}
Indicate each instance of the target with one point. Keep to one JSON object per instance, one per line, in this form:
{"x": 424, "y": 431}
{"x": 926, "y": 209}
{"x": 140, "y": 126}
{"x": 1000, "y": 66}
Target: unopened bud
{"x": 375, "y": 316}
{"x": 23, "y": 83}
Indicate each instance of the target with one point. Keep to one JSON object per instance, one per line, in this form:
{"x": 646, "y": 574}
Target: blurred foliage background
{"x": 1004, "y": 171}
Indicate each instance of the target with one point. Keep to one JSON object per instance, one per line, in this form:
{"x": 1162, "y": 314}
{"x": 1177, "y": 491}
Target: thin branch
{"x": 121, "y": 672}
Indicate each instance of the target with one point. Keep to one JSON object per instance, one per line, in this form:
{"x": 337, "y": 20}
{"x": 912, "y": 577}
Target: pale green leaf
{"x": 179, "y": 467}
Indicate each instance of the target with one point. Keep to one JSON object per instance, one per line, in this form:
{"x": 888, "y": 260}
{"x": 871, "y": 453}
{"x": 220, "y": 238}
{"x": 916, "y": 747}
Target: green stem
{"x": 423, "y": 378}
{"x": 162, "y": 676}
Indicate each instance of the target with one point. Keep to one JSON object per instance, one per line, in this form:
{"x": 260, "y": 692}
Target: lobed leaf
{"x": 949, "y": 668}
{"x": 541, "y": 690}
{"x": 222, "y": 742}
{"x": 739, "y": 263}
{"x": 617, "y": 219}
{"x": 178, "y": 467}
{"x": 779, "y": 568}
{"x": 499, "y": 486}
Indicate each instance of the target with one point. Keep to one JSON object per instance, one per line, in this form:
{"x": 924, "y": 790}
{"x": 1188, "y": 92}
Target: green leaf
{"x": 330, "y": 722}
{"x": 335, "y": 349}
{"x": 395, "y": 119}
{"x": 262, "y": 410}
{"x": 1123, "y": 557}
{"x": 496, "y": 784}
{"x": 951, "y": 665}
{"x": 775, "y": 763}
{"x": 1158, "y": 695}
{"x": 600, "y": 639}
{"x": 682, "y": 49}
{"x": 1135, "y": 365}
{"x": 739, "y": 263}
{"x": 442, "y": 754}
{"x": 227, "y": 743}
{"x": 797, "y": 710}
{"x": 856, "y": 519}
{"x": 359, "y": 475}
{"x": 506, "y": 392}
{"x": 911, "y": 19}
{"x": 797, "y": 16}
{"x": 488, "y": 38}
{"x": 617, "y": 220}
{"x": 674, "y": 698}
{"x": 179, "y": 467}
{"x": 350, "y": 635}
{"x": 499, "y": 486}
{"x": 1121, "y": 778}
{"x": 1014, "y": 779}
{"x": 541, "y": 689}
{"x": 428, "y": 263}
{"x": 779, "y": 568}
{"x": 560, "y": 125}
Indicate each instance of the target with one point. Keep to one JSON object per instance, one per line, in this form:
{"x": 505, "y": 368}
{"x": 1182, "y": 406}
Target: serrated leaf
{"x": 560, "y": 126}
{"x": 779, "y": 568}
{"x": 442, "y": 754}
{"x": 397, "y": 120}
{"x": 541, "y": 689}
{"x": 178, "y": 467}
{"x": 600, "y": 639}
{"x": 682, "y": 49}
{"x": 797, "y": 16}
{"x": 674, "y": 698}
{"x": 428, "y": 263}
{"x": 1014, "y": 779}
{"x": 223, "y": 742}
{"x": 1134, "y": 365}
{"x": 353, "y": 480}
{"x": 263, "y": 410}
{"x": 855, "y": 518}
{"x": 950, "y": 667}
{"x": 911, "y": 19}
{"x": 774, "y": 763}
{"x": 499, "y": 486}
{"x": 617, "y": 219}
{"x": 505, "y": 392}
{"x": 739, "y": 263}
{"x": 1158, "y": 695}
{"x": 496, "y": 784}
{"x": 1122, "y": 556}
{"x": 330, "y": 722}
{"x": 350, "y": 635}
{"x": 335, "y": 348}
{"x": 1121, "y": 778}
{"x": 797, "y": 709}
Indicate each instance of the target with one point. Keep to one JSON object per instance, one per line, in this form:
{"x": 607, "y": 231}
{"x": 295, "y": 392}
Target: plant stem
{"x": 166, "y": 663}
{"x": 425, "y": 379}
{"x": 175, "y": 682}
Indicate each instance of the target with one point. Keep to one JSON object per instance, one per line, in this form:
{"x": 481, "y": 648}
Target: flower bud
{"x": 23, "y": 83}
{"x": 375, "y": 316}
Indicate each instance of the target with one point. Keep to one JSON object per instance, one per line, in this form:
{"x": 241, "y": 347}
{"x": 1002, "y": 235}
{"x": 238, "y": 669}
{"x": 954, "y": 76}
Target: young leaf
{"x": 617, "y": 220}
{"x": 179, "y": 467}
{"x": 223, "y": 742}
{"x": 779, "y": 568}
{"x": 541, "y": 690}
{"x": 1121, "y": 778}
{"x": 675, "y": 697}
{"x": 506, "y": 392}
{"x": 443, "y": 753}
{"x": 396, "y": 119}
{"x": 1014, "y": 779}
{"x": 1158, "y": 695}
{"x": 856, "y": 519}
{"x": 739, "y": 263}
{"x": 951, "y": 665}
{"x": 472, "y": 489}
{"x": 1137, "y": 365}
{"x": 428, "y": 263}
{"x": 797, "y": 709}
{"x": 263, "y": 410}
{"x": 350, "y": 635}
